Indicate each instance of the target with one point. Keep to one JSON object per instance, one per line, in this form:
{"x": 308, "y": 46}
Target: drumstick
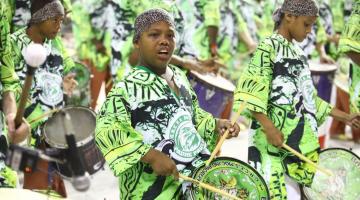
{"x": 34, "y": 55}
{"x": 208, "y": 187}
{"x": 302, "y": 157}
{"x": 43, "y": 115}
{"x": 355, "y": 107}
{"x": 222, "y": 139}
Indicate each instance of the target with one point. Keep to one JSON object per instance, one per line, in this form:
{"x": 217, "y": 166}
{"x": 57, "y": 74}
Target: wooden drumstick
{"x": 302, "y": 157}
{"x": 222, "y": 139}
{"x": 208, "y": 187}
{"x": 355, "y": 107}
{"x": 43, "y": 115}
{"x": 34, "y": 55}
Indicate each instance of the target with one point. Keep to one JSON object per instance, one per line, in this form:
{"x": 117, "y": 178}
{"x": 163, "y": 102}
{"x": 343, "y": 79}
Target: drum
{"x": 230, "y": 175}
{"x": 345, "y": 181}
{"x": 84, "y": 126}
{"x": 19, "y": 194}
{"x": 81, "y": 94}
{"x": 213, "y": 91}
{"x": 322, "y": 75}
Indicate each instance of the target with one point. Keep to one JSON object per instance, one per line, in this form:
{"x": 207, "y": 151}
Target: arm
{"x": 16, "y": 135}
{"x": 354, "y": 56}
{"x": 123, "y": 146}
{"x": 273, "y": 135}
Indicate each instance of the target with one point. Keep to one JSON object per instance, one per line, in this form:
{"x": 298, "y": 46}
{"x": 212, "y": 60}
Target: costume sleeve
{"x": 120, "y": 144}
{"x": 254, "y": 84}
{"x": 205, "y": 123}
{"x": 67, "y": 60}
{"x": 211, "y": 12}
{"x": 323, "y": 110}
{"x": 350, "y": 37}
{"x": 9, "y": 79}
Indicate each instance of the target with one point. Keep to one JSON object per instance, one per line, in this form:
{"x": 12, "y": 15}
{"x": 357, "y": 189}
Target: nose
{"x": 164, "y": 40}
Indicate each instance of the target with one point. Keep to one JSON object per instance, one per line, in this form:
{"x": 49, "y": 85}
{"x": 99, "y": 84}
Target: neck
{"x": 35, "y": 35}
{"x": 285, "y": 33}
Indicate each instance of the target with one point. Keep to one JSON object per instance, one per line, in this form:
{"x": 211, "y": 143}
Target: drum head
{"x": 214, "y": 80}
{"x": 83, "y": 122}
{"x": 82, "y": 74}
{"x": 317, "y": 67}
{"x": 233, "y": 176}
{"x": 345, "y": 181}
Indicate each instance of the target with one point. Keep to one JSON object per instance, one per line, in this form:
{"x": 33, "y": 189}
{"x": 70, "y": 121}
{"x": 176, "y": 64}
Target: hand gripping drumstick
{"x": 302, "y": 157}
{"x": 208, "y": 187}
{"x": 34, "y": 55}
{"x": 222, "y": 139}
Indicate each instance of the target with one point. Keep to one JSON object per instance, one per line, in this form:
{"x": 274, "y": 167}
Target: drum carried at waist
{"x": 84, "y": 127}
{"x": 345, "y": 181}
{"x": 214, "y": 92}
{"x": 230, "y": 175}
{"x": 322, "y": 75}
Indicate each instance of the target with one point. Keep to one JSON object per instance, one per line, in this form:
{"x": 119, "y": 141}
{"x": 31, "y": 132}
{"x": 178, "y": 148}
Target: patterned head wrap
{"x": 50, "y": 10}
{"x": 145, "y": 19}
{"x": 297, "y": 8}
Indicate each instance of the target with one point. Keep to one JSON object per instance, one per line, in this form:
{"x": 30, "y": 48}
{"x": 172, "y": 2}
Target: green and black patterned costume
{"x": 8, "y": 177}
{"x": 46, "y": 92}
{"x": 142, "y": 112}
{"x": 350, "y": 41}
{"x": 277, "y": 83}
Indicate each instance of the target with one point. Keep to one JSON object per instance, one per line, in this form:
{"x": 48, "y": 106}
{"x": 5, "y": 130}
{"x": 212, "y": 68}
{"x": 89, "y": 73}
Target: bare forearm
{"x": 263, "y": 119}
{"x": 177, "y": 60}
{"x": 9, "y": 103}
{"x": 320, "y": 49}
{"x": 212, "y": 33}
{"x": 339, "y": 115}
{"x": 354, "y": 56}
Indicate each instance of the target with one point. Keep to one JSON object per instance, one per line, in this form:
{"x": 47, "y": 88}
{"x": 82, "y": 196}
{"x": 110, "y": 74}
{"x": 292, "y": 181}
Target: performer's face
{"x": 51, "y": 27}
{"x": 156, "y": 46}
{"x": 301, "y": 26}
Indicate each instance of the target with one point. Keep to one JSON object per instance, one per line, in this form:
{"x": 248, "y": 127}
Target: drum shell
{"x": 212, "y": 98}
{"x": 84, "y": 126}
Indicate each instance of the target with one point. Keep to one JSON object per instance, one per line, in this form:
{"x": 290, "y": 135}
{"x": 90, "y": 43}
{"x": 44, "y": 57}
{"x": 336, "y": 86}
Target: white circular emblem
{"x": 52, "y": 93}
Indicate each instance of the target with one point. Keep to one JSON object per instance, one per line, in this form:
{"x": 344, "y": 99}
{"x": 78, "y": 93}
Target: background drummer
{"x": 151, "y": 126}
{"x": 8, "y": 132}
{"x": 50, "y": 81}
{"x": 282, "y": 102}
{"x": 350, "y": 45}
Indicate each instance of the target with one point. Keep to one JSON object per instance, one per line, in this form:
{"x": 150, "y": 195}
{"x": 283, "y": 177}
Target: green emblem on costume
{"x": 188, "y": 142}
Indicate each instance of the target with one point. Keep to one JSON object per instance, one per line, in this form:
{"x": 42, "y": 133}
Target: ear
{"x": 289, "y": 18}
{"x": 136, "y": 44}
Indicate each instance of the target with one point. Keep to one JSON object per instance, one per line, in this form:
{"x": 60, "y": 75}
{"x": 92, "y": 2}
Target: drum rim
{"x": 327, "y": 149}
{"x": 338, "y": 148}
{"x": 78, "y": 144}
{"x": 201, "y": 80}
{"x": 242, "y": 162}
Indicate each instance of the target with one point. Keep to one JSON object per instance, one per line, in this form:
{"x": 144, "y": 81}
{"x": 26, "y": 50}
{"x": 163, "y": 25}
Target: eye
{"x": 154, "y": 34}
{"x": 171, "y": 35}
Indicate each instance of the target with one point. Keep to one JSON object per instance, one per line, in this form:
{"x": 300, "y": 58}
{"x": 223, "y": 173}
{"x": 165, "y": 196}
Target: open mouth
{"x": 163, "y": 54}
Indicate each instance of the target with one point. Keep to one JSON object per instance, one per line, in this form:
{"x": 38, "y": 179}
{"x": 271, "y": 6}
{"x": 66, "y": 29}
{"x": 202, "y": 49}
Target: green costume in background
{"x": 90, "y": 25}
{"x": 125, "y": 12}
{"x": 142, "y": 112}
{"x": 46, "y": 92}
{"x": 350, "y": 41}
{"x": 277, "y": 83}
{"x": 8, "y": 177}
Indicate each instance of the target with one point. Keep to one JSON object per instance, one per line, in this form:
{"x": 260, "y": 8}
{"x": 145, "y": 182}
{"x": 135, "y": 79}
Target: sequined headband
{"x": 145, "y": 19}
{"x": 50, "y": 10}
{"x": 297, "y": 8}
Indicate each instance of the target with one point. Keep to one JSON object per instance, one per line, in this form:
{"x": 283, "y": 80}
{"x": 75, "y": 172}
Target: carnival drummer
{"x": 151, "y": 126}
